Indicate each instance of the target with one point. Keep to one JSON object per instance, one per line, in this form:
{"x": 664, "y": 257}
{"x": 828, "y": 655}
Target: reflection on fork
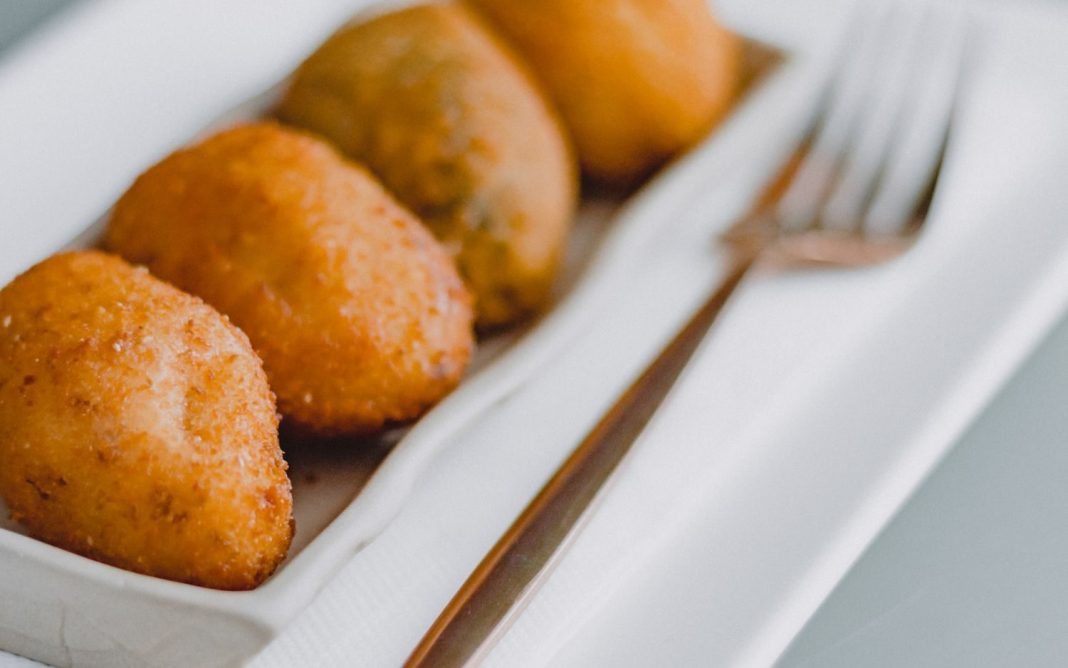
{"x": 855, "y": 193}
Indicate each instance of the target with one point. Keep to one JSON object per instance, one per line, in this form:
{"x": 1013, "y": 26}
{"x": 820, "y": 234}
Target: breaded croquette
{"x": 440, "y": 110}
{"x": 136, "y": 426}
{"x": 635, "y": 80}
{"x": 356, "y": 310}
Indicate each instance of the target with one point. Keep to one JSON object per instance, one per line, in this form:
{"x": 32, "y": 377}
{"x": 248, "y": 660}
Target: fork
{"x": 854, "y": 193}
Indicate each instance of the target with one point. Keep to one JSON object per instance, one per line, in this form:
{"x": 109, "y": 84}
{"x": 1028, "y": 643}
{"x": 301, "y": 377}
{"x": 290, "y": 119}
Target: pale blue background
{"x": 974, "y": 571}
{"x": 18, "y": 16}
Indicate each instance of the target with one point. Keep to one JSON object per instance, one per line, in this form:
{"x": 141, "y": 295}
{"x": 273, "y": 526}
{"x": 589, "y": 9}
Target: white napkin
{"x": 717, "y": 545}
{"x": 820, "y": 402}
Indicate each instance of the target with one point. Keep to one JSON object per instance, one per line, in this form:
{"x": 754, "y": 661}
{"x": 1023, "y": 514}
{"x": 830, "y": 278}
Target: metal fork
{"x": 854, "y": 193}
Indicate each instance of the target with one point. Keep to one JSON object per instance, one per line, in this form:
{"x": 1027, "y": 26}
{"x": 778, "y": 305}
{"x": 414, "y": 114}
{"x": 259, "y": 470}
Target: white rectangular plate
{"x": 100, "y": 95}
{"x": 116, "y": 85}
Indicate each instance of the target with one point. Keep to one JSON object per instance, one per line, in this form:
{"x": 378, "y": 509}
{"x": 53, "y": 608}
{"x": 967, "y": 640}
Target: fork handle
{"x": 507, "y": 575}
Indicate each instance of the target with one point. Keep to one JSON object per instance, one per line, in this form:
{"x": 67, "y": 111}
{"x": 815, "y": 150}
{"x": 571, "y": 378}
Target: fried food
{"x": 357, "y": 312}
{"x": 443, "y": 113}
{"x": 635, "y": 80}
{"x": 136, "y": 426}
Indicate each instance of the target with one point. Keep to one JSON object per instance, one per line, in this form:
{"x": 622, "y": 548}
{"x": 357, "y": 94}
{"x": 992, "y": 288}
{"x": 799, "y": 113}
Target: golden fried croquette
{"x": 136, "y": 426}
{"x": 635, "y": 80}
{"x": 357, "y": 312}
{"x": 437, "y": 107}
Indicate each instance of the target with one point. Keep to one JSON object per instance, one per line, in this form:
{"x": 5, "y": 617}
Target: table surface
{"x": 969, "y": 573}
{"x": 18, "y": 17}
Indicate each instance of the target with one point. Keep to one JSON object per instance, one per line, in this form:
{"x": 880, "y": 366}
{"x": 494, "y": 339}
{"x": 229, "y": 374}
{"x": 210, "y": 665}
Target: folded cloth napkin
{"x": 818, "y": 405}
{"x": 717, "y": 544}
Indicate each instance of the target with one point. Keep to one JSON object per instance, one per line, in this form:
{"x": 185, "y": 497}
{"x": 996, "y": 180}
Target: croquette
{"x": 635, "y": 80}
{"x": 357, "y": 312}
{"x": 435, "y": 104}
{"x": 137, "y": 427}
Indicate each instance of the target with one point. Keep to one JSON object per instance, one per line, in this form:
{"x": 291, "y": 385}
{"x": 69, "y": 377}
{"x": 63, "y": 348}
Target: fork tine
{"x": 913, "y": 160}
{"x": 858, "y": 49}
{"x": 887, "y": 98}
